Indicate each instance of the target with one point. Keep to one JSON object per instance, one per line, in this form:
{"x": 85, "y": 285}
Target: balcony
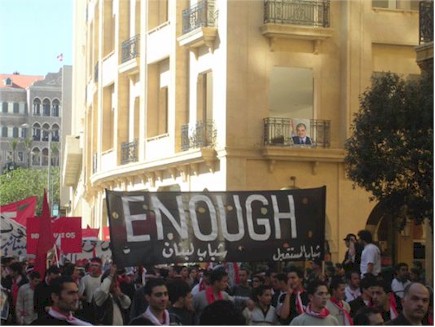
{"x": 279, "y": 145}
{"x": 128, "y": 152}
{"x": 279, "y": 132}
{"x": 198, "y": 135}
{"x": 130, "y": 54}
{"x": 425, "y": 49}
{"x": 199, "y": 25}
{"x": 296, "y": 19}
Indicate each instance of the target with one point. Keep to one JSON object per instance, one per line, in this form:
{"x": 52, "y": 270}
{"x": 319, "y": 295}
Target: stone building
{"x": 195, "y": 95}
{"x": 31, "y": 118}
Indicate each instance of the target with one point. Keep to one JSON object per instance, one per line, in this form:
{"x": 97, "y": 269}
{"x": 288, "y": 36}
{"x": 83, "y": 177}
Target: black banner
{"x": 178, "y": 227}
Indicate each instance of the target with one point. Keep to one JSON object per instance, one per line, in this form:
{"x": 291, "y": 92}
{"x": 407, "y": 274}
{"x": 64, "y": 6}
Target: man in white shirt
{"x": 25, "y": 310}
{"x": 401, "y": 280}
{"x": 370, "y": 256}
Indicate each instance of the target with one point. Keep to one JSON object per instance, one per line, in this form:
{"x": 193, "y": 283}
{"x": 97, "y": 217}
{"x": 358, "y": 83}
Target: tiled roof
{"x": 19, "y": 81}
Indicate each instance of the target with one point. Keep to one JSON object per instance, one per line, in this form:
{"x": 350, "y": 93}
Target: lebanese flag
{"x": 20, "y": 210}
{"x": 90, "y": 233}
{"x": 46, "y": 240}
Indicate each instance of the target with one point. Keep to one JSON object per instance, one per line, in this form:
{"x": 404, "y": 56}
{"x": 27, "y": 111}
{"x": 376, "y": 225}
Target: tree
{"x": 390, "y": 153}
{"x": 22, "y": 183}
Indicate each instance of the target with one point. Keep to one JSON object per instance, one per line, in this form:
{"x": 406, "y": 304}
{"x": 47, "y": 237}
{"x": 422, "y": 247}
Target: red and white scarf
{"x": 321, "y": 315}
{"x": 210, "y": 297}
{"x": 69, "y": 318}
{"x": 339, "y": 304}
{"x": 393, "y": 306}
{"x": 300, "y": 308}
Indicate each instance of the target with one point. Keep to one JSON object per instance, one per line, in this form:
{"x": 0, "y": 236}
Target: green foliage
{"x": 22, "y": 183}
{"x": 390, "y": 153}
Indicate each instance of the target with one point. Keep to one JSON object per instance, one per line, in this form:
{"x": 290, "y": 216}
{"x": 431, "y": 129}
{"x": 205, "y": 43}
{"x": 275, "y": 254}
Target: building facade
{"x": 31, "y": 119}
{"x": 207, "y": 95}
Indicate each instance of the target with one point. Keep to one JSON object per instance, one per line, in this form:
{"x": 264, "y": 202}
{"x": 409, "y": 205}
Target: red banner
{"x": 67, "y": 231}
{"x": 90, "y": 233}
{"x": 20, "y": 210}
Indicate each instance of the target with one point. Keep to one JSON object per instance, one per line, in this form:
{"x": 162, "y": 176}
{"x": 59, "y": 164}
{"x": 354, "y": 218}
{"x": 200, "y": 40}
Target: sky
{"x": 33, "y": 33}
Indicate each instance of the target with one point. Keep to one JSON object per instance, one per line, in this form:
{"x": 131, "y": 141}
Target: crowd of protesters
{"x": 353, "y": 292}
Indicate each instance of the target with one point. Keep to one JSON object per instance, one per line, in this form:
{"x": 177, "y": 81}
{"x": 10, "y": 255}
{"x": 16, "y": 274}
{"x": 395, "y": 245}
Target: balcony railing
{"x": 298, "y": 12}
{"x": 202, "y": 14}
{"x": 130, "y": 48}
{"x": 128, "y": 152}
{"x": 426, "y": 12}
{"x": 198, "y": 135}
{"x": 279, "y": 132}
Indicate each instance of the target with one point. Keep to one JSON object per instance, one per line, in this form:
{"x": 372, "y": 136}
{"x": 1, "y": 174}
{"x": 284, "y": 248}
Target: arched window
{"x": 45, "y": 132}
{"x": 36, "y": 157}
{"x": 37, "y": 107}
{"x": 55, "y": 108}
{"x": 45, "y": 157}
{"x": 46, "y": 107}
{"x": 36, "y": 132}
{"x": 55, "y": 136}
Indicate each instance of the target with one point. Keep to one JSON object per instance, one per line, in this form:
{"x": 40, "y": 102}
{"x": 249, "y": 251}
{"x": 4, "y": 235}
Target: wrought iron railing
{"x": 277, "y": 131}
{"x": 198, "y": 135}
{"x": 201, "y": 14}
{"x": 280, "y": 131}
{"x": 299, "y": 12}
{"x": 130, "y": 48}
{"x": 426, "y": 12}
{"x": 128, "y": 152}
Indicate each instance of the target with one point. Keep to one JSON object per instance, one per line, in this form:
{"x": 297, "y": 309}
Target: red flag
{"x": 20, "y": 210}
{"x": 90, "y": 233}
{"x": 46, "y": 239}
{"x": 67, "y": 231}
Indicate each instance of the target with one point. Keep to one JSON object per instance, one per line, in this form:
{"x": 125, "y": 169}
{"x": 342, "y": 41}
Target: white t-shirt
{"x": 371, "y": 254}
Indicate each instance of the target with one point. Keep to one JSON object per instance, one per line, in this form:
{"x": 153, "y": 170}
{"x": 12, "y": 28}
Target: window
{"x": 36, "y": 132}
{"x": 291, "y": 92}
{"x": 4, "y": 131}
{"x": 16, "y": 108}
{"x": 8, "y": 82}
{"x": 45, "y": 132}
{"x": 205, "y": 97}
{"x": 46, "y": 107}
{"x": 23, "y": 133}
{"x": 15, "y": 132}
{"x": 5, "y": 107}
{"x": 36, "y": 157}
{"x": 36, "y": 107}
{"x": 396, "y": 4}
{"x": 158, "y": 116}
{"x": 291, "y": 103}
{"x": 45, "y": 157}
{"x": 55, "y": 108}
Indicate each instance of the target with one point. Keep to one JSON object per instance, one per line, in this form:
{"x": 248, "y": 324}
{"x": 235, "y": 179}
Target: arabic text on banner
{"x": 178, "y": 227}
